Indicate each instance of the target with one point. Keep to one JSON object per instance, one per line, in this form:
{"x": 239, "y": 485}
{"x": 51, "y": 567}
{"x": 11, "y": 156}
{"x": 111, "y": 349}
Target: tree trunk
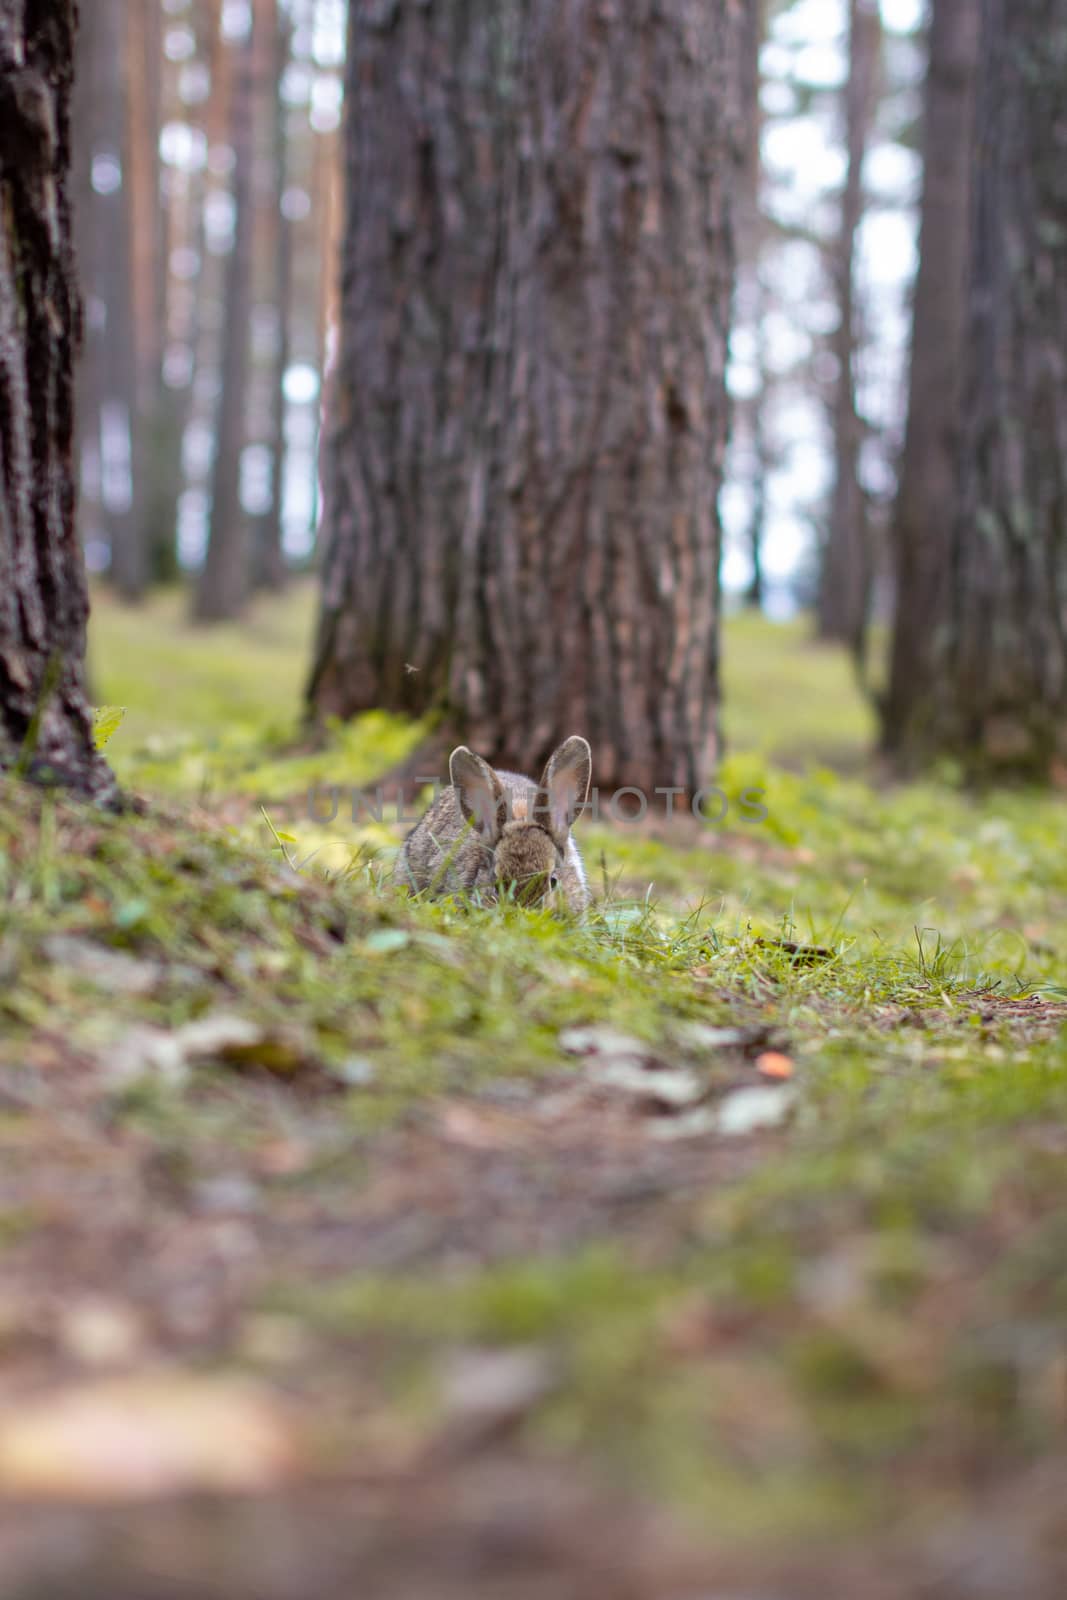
{"x": 1000, "y": 688}
{"x": 422, "y": 235}
{"x": 528, "y": 433}
{"x": 750, "y": 429}
{"x": 156, "y": 440}
{"x": 926, "y": 496}
{"x": 270, "y": 568}
{"x": 113, "y": 216}
{"x": 45, "y": 725}
{"x": 86, "y": 103}
{"x": 224, "y": 580}
{"x": 845, "y": 579}
{"x": 105, "y": 234}
{"x": 185, "y": 305}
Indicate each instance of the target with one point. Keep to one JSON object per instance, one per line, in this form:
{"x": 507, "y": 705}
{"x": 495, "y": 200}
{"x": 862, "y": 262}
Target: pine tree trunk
{"x": 108, "y": 410}
{"x": 528, "y": 434}
{"x": 183, "y": 309}
{"x": 156, "y": 441}
{"x": 86, "y": 101}
{"x": 419, "y": 256}
{"x": 45, "y": 727}
{"x": 270, "y": 570}
{"x": 750, "y": 429}
{"x": 113, "y": 216}
{"x": 1000, "y": 699}
{"x": 845, "y": 579}
{"x": 224, "y": 580}
{"x": 926, "y": 497}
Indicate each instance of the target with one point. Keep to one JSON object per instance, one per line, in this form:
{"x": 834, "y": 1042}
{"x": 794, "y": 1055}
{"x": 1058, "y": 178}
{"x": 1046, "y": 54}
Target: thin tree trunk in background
{"x": 845, "y": 579}
{"x": 114, "y": 217}
{"x": 143, "y": 53}
{"x": 224, "y": 581}
{"x": 926, "y": 496}
{"x": 270, "y": 562}
{"x": 45, "y": 726}
{"x": 763, "y": 459}
{"x": 188, "y": 303}
{"x": 328, "y": 207}
{"x": 1000, "y": 681}
{"x": 154, "y": 438}
{"x": 530, "y": 414}
{"x": 85, "y": 111}
{"x": 750, "y": 415}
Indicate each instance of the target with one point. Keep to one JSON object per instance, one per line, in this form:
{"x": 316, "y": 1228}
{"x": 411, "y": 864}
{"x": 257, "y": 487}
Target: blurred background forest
{"x": 207, "y": 140}
{"x": 208, "y": 225}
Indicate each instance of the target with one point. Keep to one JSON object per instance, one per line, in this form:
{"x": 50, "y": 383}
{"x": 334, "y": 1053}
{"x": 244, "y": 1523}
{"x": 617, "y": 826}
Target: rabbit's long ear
{"x": 480, "y": 792}
{"x": 566, "y": 783}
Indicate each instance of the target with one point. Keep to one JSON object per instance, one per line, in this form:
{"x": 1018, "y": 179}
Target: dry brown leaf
{"x": 145, "y": 1437}
{"x": 478, "y": 1129}
{"x": 99, "y": 1332}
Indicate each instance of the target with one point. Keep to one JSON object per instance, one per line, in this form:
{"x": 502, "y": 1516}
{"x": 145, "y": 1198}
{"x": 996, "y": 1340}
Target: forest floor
{"x": 709, "y": 1249}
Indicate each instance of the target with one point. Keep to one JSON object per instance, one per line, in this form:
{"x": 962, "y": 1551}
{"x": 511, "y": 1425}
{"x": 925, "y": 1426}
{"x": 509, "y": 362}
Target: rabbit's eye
{"x": 553, "y": 880}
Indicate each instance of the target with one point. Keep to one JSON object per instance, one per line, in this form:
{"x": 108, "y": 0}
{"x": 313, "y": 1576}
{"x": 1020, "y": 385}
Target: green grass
{"x": 854, "y": 1316}
{"x": 791, "y": 699}
{"x": 180, "y": 680}
{"x": 206, "y": 706}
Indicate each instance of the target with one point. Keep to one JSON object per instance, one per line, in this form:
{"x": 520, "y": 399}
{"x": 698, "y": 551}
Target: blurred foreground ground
{"x": 711, "y": 1249}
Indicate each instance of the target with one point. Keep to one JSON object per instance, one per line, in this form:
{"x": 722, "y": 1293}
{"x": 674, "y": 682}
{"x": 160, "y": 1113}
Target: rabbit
{"x": 501, "y": 833}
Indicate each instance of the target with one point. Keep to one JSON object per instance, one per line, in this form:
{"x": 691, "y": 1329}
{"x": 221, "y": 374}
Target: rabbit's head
{"x": 526, "y": 829}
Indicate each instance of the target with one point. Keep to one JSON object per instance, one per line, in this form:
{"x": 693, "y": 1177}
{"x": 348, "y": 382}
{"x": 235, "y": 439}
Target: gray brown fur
{"x": 492, "y": 833}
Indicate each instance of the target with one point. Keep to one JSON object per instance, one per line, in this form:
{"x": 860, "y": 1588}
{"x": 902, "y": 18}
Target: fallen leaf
{"x": 356, "y": 1072}
{"x": 112, "y": 970}
{"x": 703, "y": 1036}
{"x": 384, "y": 941}
{"x": 772, "y": 1064}
{"x": 672, "y": 1089}
{"x": 696, "y": 1123}
{"x": 146, "y": 1051}
{"x": 476, "y": 1129}
{"x": 617, "y": 1061}
{"x": 748, "y": 1110}
{"x": 100, "y": 1333}
{"x": 143, "y": 1051}
{"x": 487, "y": 1393}
{"x": 145, "y": 1437}
{"x": 280, "y": 1158}
{"x": 602, "y": 1042}
{"x": 107, "y": 720}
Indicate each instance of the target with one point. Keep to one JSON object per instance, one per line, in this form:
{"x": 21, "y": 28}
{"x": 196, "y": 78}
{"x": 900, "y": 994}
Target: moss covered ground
{"x": 716, "y": 1239}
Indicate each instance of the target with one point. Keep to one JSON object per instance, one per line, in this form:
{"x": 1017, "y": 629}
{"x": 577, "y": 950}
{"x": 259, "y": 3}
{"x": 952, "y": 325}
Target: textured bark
{"x": 44, "y": 717}
{"x": 156, "y": 437}
{"x": 108, "y": 407}
{"x": 113, "y": 217}
{"x": 845, "y": 579}
{"x": 419, "y": 257}
{"x": 925, "y": 508}
{"x": 224, "y": 581}
{"x": 750, "y": 415}
{"x": 86, "y": 104}
{"x": 270, "y": 569}
{"x": 528, "y": 433}
{"x": 1000, "y": 697}
{"x": 185, "y": 318}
